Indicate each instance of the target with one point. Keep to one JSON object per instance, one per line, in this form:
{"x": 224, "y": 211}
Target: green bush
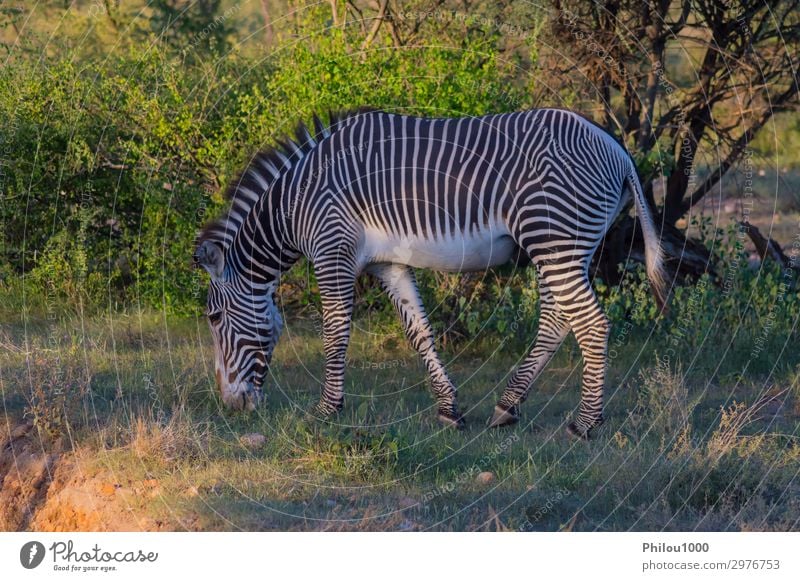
{"x": 125, "y": 158}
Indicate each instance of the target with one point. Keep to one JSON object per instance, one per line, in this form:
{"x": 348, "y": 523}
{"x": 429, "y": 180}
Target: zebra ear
{"x": 210, "y": 256}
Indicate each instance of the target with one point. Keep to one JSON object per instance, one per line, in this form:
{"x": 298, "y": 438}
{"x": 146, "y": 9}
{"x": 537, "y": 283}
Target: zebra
{"x": 385, "y": 193}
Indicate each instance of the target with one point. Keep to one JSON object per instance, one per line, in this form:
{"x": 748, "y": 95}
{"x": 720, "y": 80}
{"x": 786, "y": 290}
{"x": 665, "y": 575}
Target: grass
{"x": 132, "y": 403}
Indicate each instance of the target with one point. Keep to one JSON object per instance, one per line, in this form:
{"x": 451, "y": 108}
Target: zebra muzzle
{"x": 243, "y": 398}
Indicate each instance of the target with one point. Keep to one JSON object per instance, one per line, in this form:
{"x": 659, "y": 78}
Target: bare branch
{"x": 376, "y": 25}
{"x": 269, "y": 33}
{"x": 335, "y": 13}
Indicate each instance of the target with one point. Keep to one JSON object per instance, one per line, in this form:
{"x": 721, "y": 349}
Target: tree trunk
{"x": 768, "y": 248}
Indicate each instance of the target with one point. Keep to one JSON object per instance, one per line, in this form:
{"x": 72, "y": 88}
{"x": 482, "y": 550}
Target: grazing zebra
{"x": 382, "y": 193}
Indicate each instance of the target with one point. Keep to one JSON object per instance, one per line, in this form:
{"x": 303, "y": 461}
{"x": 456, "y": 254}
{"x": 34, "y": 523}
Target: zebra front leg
{"x": 553, "y": 328}
{"x": 336, "y": 280}
{"x": 399, "y": 282}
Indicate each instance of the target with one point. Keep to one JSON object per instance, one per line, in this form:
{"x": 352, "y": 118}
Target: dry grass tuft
{"x": 54, "y": 393}
{"x": 663, "y": 404}
{"x": 733, "y": 420}
{"x": 165, "y": 441}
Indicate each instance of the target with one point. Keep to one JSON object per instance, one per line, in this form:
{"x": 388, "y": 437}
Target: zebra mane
{"x": 264, "y": 168}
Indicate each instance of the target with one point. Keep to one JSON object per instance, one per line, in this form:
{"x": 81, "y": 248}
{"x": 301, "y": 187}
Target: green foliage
{"x": 356, "y": 452}
{"x": 659, "y": 161}
{"x": 428, "y": 80}
{"x": 186, "y": 24}
{"x": 468, "y": 307}
{"x": 110, "y": 167}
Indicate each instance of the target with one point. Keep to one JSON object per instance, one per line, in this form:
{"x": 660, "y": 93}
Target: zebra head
{"x": 245, "y": 326}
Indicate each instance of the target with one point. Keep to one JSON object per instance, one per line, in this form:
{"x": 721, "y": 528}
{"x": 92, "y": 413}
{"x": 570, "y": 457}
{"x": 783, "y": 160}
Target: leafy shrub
{"x": 124, "y": 157}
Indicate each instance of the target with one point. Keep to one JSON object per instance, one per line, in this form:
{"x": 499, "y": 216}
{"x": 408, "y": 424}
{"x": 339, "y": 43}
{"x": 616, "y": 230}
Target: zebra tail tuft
{"x": 654, "y": 256}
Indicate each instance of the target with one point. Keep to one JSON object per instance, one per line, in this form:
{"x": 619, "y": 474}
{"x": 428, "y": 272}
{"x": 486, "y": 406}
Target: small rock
{"x": 253, "y": 440}
{"x": 485, "y": 478}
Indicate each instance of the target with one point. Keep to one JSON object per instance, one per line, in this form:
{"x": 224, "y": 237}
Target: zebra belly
{"x": 460, "y": 252}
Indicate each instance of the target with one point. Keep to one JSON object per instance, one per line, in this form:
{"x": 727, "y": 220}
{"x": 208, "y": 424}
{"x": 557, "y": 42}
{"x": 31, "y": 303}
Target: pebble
{"x": 253, "y": 441}
{"x": 485, "y": 478}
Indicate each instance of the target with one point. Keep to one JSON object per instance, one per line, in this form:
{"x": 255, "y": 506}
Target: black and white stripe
{"x": 386, "y": 193}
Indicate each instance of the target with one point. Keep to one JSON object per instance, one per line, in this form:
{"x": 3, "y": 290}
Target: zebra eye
{"x": 215, "y": 317}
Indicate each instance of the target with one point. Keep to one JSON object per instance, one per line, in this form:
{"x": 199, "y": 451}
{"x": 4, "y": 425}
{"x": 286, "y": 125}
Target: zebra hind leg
{"x": 576, "y": 299}
{"x": 591, "y": 328}
{"x": 553, "y": 328}
{"x": 399, "y": 282}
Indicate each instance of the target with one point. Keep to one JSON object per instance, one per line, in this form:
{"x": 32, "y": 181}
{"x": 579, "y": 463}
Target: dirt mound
{"x": 26, "y": 470}
{"x": 43, "y": 488}
{"x": 77, "y": 501}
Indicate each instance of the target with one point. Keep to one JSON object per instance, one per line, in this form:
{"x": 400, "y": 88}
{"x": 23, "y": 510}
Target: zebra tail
{"x": 654, "y": 256}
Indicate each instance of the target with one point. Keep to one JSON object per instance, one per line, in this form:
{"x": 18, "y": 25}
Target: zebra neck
{"x": 260, "y": 253}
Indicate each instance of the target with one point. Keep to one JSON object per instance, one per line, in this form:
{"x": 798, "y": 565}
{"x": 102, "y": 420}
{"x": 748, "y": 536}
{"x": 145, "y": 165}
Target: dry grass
{"x": 165, "y": 441}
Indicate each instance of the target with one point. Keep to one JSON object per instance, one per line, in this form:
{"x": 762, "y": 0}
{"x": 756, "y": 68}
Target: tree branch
{"x": 376, "y": 25}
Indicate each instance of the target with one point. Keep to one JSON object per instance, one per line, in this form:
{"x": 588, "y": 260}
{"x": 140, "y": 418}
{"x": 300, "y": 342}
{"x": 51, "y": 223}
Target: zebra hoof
{"x": 324, "y": 413}
{"x": 574, "y": 432}
{"x": 582, "y": 434}
{"x": 452, "y": 420}
{"x": 503, "y": 417}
